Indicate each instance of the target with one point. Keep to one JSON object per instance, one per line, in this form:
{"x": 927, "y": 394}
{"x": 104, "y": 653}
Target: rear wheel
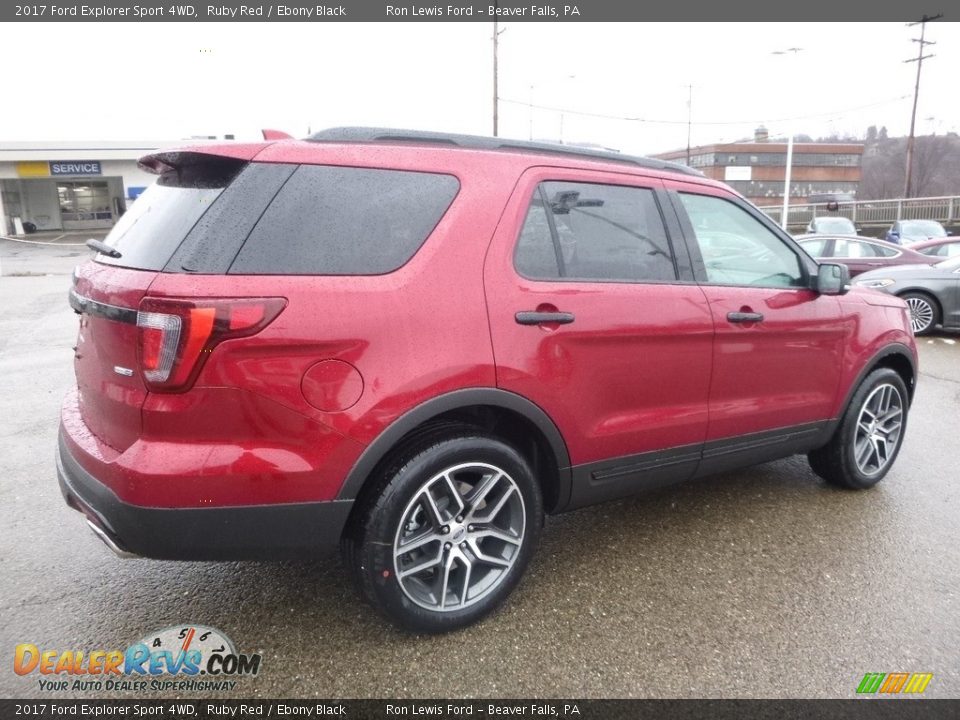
{"x": 924, "y": 312}
{"x": 449, "y": 535}
{"x": 865, "y": 445}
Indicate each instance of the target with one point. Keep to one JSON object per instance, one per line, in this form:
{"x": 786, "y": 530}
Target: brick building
{"x": 756, "y": 169}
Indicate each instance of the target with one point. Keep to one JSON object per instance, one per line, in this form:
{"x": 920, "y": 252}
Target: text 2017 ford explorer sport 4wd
{"x": 415, "y": 345}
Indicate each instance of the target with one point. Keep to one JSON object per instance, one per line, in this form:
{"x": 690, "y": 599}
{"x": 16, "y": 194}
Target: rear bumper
{"x": 249, "y": 532}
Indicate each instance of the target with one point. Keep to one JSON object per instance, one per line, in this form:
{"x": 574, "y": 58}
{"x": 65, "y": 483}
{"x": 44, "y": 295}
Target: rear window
{"x": 158, "y": 221}
{"x": 330, "y": 220}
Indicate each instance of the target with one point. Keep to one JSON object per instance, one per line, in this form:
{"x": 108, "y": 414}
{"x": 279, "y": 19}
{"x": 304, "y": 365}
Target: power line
{"x": 653, "y": 121}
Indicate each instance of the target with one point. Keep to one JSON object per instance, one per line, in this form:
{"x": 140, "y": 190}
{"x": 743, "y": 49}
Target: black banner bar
{"x": 177, "y": 709}
{"x": 441, "y": 11}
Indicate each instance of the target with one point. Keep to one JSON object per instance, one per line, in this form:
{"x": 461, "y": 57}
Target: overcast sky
{"x": 159, "y": 81}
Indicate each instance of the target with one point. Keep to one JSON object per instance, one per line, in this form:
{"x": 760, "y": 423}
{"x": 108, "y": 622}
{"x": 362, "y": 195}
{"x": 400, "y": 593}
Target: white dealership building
{"x": 71, "y": 185}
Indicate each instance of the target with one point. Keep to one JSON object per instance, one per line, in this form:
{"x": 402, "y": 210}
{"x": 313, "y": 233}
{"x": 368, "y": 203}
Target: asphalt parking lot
{"x": 763, "y": 583}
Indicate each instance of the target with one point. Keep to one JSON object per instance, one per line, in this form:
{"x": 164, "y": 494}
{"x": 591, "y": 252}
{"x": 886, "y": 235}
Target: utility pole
{"x": 916, "y": 92}
{"x": 788, "y": 166}
{"x": 689, "y": 118}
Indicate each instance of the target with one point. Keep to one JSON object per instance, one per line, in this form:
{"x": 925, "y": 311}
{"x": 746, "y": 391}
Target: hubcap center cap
{"x": 457, "y": 533}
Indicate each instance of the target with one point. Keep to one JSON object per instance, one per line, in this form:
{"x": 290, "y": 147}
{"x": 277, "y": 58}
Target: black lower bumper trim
{"x": 258, "y": 532}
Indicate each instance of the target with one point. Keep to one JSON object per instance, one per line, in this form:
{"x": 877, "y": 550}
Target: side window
{"x": 851, "y": 249}
{"x": 737, "y": 248}
{"x": 595, "y": 232}
{"x": 329, "y": 220}
{"x": 536, "y": 254}
{"x": 883, "y": 251}
{"x": 815, "y": 248}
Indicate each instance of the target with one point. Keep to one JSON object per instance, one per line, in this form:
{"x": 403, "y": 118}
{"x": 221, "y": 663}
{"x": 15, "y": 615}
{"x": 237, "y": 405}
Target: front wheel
{"x": 449, "y": 535}
{"x": 924, "y": 313}
{"x": 868, "y": 439}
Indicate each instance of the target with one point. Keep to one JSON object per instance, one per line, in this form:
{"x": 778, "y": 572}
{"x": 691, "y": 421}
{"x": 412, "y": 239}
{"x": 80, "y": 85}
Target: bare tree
{"x": 936, "y": 166}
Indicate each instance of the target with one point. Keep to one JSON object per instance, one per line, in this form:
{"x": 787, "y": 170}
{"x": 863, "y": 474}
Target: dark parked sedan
{"x": 861, "y": 254}
{"x": 941, "y": 248}
{"x": 932, "y": 293}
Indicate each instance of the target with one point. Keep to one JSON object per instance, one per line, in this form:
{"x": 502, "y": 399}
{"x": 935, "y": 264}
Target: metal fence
{"x": 946, "y": 210}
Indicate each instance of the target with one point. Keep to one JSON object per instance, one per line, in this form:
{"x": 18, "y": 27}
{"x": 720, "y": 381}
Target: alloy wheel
{"x": 459, "y": 536}
{"x": 921, "y": 314}
{"x": 878, "y": 431}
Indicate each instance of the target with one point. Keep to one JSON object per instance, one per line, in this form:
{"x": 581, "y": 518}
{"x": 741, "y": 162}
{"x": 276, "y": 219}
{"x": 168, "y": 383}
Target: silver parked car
{"x": 832, "y": 225}
{"x": 932, "y": 293}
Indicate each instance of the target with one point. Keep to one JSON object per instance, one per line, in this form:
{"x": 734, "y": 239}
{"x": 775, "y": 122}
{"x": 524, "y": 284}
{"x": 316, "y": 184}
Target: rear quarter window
{"x": 328, "y": 220}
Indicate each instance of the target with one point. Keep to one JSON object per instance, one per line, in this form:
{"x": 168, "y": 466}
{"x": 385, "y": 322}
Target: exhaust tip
{"x": 108, "y": 541}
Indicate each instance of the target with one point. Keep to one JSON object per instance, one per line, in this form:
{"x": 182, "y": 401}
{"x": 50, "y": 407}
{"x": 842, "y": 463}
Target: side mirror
{"x": 895, "y": 233}
{"x": 859, "y": 228}
{"x": 833, "y": 279}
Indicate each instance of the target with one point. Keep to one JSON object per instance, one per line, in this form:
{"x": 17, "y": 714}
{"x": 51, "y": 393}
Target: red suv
{"x": 416, "y": 345}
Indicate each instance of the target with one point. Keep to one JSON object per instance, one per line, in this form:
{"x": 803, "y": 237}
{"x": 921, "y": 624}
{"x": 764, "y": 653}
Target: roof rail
{"x": 479, "y": 142}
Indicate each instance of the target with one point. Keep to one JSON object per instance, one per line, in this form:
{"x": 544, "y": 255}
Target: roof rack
{"x": 478, "y": 142}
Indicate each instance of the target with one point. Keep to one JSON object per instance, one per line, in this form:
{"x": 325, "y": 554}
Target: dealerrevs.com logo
{"x": 182, "y": 658}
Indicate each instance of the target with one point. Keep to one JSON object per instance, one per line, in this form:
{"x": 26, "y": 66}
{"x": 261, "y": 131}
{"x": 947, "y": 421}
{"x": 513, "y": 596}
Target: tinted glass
{"x": 602, "y": 232}
{"x": 345, "y": 221}
{"x": 536, "y": 254}
{"x": 737, "y": 248}
{"x": 158, "y": 221}
{"x": 216, "y": 238}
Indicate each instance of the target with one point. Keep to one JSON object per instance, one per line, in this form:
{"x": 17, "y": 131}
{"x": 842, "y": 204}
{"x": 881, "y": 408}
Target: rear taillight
{"x": 175, "y": 336}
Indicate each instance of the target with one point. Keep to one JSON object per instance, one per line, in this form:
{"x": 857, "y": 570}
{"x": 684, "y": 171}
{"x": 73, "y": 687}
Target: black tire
{"x": 837, "y": 461}
{"x": 921, "y": 307}
{"x": 398, "y": 503}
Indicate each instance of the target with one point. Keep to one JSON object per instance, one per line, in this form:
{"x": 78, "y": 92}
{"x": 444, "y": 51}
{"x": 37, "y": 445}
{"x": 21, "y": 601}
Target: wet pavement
{"x": 761, "y": 583}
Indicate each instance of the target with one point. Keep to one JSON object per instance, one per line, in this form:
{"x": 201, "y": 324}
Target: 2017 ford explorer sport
{"x": 416, "y": 345}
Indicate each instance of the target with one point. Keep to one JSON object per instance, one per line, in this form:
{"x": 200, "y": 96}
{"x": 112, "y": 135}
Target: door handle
{"x": 528, "y": 317}
{"x": 744, "y": 317}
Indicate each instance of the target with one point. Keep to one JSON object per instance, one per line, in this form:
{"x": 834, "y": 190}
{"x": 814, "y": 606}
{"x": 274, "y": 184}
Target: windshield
{"x": 922, "y": 229}
{"x": 835, "y": 225}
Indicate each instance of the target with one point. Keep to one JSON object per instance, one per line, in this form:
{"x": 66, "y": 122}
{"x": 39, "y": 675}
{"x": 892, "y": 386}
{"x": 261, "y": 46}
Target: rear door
{"x": 779, "y": 345}
{"x": 598, "y": 320}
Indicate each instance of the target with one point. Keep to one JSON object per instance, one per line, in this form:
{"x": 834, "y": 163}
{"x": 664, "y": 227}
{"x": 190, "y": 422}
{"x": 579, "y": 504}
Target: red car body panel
{"x": 285, "y": 415}
{"x": 586, "y": 375}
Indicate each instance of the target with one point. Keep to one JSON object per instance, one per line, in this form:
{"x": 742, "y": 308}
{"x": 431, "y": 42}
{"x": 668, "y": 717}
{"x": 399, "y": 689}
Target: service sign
{"x": 75, "y": 167}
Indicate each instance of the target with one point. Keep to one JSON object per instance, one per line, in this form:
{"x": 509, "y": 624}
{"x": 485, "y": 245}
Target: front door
{"x": 597, "y": 320}
{"x": 779, "y": 344}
